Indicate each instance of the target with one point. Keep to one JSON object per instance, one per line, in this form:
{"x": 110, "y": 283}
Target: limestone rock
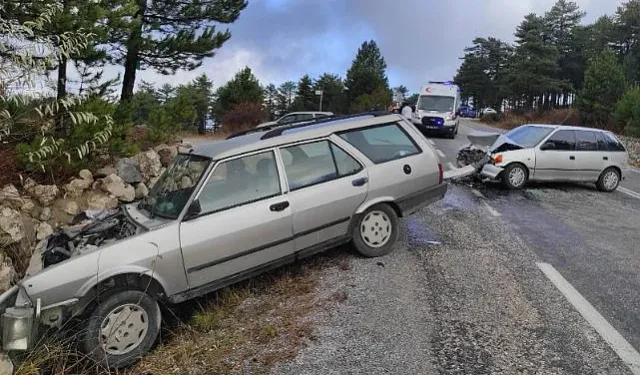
{"x": 86, "y": 174}
{"x": 45, "y": 194}
{"x": 113, "y": 184}
{"x": 45, "y": 214}
{"x": 71, "y": 207}
{"x": 129, "y": 170}
{"x": 167, "y": 154}
{"x": 11, "y": 228}
{"x": 43, "y": 230}
{"x": 141, "y": 190}
{"x": 7, "y": 273}
{"x": 99, "y": 201}
{"x": 128, "y": 195}
{"x": 150, "y": 165}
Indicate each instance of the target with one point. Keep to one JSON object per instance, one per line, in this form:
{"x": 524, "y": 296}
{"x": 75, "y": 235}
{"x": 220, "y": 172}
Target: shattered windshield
{"x": 170, "y": 194}
{"x": 436, "y": 103}
{"x": 528, "y": 136}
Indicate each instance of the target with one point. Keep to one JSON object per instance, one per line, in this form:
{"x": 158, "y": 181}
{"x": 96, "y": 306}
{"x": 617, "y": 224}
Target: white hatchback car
{"x": 554, "y": 153}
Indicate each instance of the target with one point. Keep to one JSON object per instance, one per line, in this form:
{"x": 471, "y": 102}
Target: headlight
{"x": 17, "y": 328}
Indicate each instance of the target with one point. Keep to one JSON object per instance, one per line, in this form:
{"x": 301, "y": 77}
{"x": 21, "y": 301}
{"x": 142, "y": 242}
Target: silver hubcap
{"x": 516, "y": 176}
{"x": 610, "y": 180}
{"x": 123, "y": 329}
{"x": 375, "y": 229}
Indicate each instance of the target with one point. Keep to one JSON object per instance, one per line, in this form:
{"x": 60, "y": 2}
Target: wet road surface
{"x": 464, "y": 291}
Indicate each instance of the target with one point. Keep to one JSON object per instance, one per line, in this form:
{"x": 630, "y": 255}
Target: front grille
{"x": 432, "y": 121}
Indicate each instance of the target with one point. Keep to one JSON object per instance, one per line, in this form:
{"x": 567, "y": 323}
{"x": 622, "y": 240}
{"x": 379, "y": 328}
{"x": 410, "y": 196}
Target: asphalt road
{"x": 540, "y": 281}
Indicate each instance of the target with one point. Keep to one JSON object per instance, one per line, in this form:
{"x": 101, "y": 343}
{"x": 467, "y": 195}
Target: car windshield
{"x": 171, "y": 192}
{"x": 528, "y": 136}
{"x": 435, "y": 103}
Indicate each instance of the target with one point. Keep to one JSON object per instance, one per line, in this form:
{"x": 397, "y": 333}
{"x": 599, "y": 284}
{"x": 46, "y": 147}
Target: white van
{"x": 437, "y": 109}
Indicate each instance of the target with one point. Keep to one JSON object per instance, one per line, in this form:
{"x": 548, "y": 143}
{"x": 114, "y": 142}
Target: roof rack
{"x": 279, "y": 130}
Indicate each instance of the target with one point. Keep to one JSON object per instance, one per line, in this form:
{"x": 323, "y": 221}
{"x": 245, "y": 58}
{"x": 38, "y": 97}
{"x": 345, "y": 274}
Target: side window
{"x": 382, "y": 143}
{"x": 320, "y": 115}
{"x": 305, "y": 117}
{"x": 240, "y": 181}
{"x": 602, "y": 143}
{"x": 613, "y": 143}
{"x": 563, "y": 140}
{"x": 344, "y": 162}
{"x": 288, "y": 119}
{"x": 586, "y": 141}
{"x": 308, "y": 164}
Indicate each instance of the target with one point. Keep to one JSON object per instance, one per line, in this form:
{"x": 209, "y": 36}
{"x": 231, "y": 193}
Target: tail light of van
{"x": 440, "y": 173}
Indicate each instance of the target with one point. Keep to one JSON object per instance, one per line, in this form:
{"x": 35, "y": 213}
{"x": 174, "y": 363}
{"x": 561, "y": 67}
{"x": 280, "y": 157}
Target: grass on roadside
{"x": 248, "y": 327}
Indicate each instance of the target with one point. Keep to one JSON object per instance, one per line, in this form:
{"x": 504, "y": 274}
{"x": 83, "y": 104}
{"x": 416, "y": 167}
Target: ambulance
{"x": 437, "y": 109}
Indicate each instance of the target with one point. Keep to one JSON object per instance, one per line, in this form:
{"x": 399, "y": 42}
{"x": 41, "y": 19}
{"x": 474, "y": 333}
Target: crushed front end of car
{"x": 478, "y": 159}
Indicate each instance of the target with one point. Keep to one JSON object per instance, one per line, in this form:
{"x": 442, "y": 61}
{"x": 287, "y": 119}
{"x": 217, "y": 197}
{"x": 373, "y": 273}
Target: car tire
{"x": 376, "y": 231}
{"x": 137, "y": 317}
{"x": 609, "y": 180}
{"x": 515, "y": 176}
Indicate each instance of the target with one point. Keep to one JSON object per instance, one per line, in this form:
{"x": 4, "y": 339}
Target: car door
{"x": 326, "y": 185}
{"x": 400, "y": 168}
{"x": 244, "y": 221}
{"x": 556, "y": 157}
{"x": 589, "y": 161}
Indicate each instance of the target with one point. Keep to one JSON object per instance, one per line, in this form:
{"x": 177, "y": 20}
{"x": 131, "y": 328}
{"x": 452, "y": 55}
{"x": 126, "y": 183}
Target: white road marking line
{"x": 477, "y": 193}
{"x": 451, "y": 166}
{"x": 431, "y": 141}
{"x": 440, "y": 153}
{"x": 623, "y": 349}
{"x": 492, "y": 210}
{"x": 630, "y": 193}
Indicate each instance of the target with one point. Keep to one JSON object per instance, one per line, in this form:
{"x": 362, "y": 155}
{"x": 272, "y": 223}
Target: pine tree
{"x": 627, "y": 38}
{"x": 286, "y": 96}
{"x": 604, "y": 84}
{"x": 306, "y": 99}
{"x": 202, "y": 98}
{"x": 168, "y": 35}
{"x": 533, "y": 77}
{"x": 243, "y": 88}
{"x": 166, "y": 92}
{"x": 333, "y": 96}
{"x": 367, "y": 75}
{"x": 271, "y": 100}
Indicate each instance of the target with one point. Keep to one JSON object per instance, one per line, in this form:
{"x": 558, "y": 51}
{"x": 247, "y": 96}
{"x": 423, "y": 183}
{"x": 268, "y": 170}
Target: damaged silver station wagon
{"x": 221, "y": 213}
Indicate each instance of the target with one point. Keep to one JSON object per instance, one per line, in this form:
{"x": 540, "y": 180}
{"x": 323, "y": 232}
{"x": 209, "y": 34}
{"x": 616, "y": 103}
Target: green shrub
{"x": 627, "y": 112}
{"x": 491, "y": 117}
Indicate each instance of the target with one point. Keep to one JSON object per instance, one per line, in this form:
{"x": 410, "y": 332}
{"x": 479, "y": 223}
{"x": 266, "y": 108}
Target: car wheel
{"x": 515, "y": 176}
{"x": 608, "y": 180}
{"x": 121, "y": 329}
{"x": 376, "y": 231}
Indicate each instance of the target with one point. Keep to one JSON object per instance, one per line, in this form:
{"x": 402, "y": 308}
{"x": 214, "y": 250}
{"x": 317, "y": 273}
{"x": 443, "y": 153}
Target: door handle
{"x": 359, "y": 181}
{"x": 605, "y": 158}
{"x": 407, "y": 169}
{"x": 572, "y": 157}
{"x": 279, "y": 206}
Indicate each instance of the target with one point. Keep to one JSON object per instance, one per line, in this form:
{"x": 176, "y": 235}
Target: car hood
{"x": 492, "y": 142}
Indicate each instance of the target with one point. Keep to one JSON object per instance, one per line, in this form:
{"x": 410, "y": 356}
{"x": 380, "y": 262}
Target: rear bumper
{"x": 421, "y": 199}
{"x": 491, "y": 171}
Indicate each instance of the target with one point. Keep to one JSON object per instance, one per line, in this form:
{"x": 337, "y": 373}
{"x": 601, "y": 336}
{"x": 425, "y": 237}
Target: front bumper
{"x": 491, "y": 171}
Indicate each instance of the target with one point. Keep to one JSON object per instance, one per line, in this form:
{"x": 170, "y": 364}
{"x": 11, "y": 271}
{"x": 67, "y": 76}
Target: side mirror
{"x": 194, "y": 210}
{"x": 547, "y": 146}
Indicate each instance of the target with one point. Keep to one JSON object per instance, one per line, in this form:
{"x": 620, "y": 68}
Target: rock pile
{"x": 32, "y": 213}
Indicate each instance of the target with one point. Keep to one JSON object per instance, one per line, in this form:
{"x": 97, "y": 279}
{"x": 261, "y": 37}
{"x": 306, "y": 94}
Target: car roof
{"x": 283, "y": 135}
{"x": 567, "y": 127}
{"x": 307, "y": 113}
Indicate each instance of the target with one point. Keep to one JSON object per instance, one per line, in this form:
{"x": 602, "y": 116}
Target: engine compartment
{"x": 88, "y": 234}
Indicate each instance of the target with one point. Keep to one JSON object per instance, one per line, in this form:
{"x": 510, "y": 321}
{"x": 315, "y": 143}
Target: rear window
{"x": 382, "y": 143}
{"x": 613, "y": 144}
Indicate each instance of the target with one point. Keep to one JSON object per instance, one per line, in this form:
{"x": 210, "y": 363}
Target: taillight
{"x": 440, "y": 173}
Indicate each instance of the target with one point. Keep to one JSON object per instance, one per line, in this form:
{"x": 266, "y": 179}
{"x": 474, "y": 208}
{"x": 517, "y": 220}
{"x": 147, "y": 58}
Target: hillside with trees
{"x": 558, "y": 61}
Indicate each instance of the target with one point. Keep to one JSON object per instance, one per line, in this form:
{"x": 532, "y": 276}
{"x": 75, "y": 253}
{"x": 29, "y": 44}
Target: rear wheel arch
{"x": 385, "y": 200}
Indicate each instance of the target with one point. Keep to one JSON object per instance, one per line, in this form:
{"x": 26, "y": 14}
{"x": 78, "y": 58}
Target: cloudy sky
{"x": 421, "y": 40}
